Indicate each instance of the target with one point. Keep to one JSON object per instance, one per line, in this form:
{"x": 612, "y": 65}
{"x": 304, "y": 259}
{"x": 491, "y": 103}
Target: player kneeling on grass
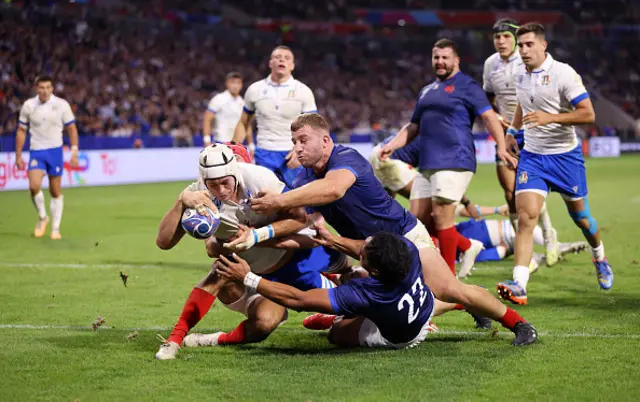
{"x": 226, "y": 185}
{"x": 390, "y": 307}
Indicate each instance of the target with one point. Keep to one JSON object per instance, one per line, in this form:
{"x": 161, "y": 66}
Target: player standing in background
{"x": 45, "y": 116}
{"x": 499, "y": 70}
{"x": 275, "y": 102}
{"x": 551, "y": 101}
{"x": 224, "y": 110}
{"x": 442, "y": 119}
{"x": 339, "y": 184}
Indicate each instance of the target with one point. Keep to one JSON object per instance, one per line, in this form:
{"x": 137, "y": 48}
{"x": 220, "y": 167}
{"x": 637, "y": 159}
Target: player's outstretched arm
{"x": 290, "y": 222}
{"x": 285, "y": 295}
{"x": 72, "y": 130}
{"x": 21, "y": 137}
{"x": 407, "y": 134}
{"x": 319, "y": 192}
{"x": 170, "y": 231}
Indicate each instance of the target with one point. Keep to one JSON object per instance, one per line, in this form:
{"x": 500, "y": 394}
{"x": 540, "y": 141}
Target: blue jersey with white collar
{"x": 445, "y": 112}
{"x": 365, "y": 208}
{"x": 399, "y": 310}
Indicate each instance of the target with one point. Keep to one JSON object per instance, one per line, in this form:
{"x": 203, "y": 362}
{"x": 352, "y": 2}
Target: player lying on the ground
{"x": 339, "y": 183}
{"x": 498, "y": 238}
{"x": 390, "y": 307}
{"x": 231, "y": 184}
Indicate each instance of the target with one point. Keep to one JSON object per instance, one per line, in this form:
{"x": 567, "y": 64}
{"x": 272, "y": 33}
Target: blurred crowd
{"x": 124, "y": 78}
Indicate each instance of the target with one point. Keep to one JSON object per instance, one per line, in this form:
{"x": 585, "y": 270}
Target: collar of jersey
{"x": 284, "y": 84}
{"x": 545, "y": 66}
{"x": 513, "y": 57}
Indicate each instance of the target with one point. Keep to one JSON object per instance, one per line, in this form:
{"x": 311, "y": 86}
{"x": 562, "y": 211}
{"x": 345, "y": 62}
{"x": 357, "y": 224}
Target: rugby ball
{"x": 200, "y": 225}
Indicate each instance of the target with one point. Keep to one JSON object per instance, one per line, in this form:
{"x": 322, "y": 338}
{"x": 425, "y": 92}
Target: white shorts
{"x": 419, "y": 236}
{"x": 392, "y": 173}
{"x": 371, "y": 337}
{"x": 244, "y": 302}
{"x": 448, "y": 185}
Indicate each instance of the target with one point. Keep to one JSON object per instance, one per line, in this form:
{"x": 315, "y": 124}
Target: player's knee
{"x": 55, "y": 192}
{"x": 527, "y": 219}
{"x": 34, "y": 188}
{"x": 267, "y": 322}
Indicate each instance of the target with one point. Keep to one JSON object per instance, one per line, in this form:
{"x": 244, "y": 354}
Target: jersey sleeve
{"x": 308, "y": 100}
{"x": 258, "y": 178}
{"x": 352, "y": 161}
{"x": 67, "y": 115}
{"x": 571, "y": 86}
{"x": 348, "y": 299}
{"x": 476, "y": 99}
{"x": 215, "y": 104}
{"x": 250, "y": 99}
{"x": 417, "y": 110}
{"x": 23, "y": 120}
{"x": 487, "y": 85}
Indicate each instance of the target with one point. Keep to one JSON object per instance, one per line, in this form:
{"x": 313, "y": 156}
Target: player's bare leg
{"x": 57, "y": 205}
{"x": 528, "y": 204}
{"x": 507, "y": 179}
{"x": 37, "y": 196}
{"x": 450, "y": 240}
{"x": 581, "y": 215}
{"x": 475, "y": 299}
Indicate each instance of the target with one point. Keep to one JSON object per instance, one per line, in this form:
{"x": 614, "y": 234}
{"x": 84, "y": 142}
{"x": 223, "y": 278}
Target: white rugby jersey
{"x": 251, "y": 180}
{"x": 46, "y": 121}
{"x": 497, "y": 78}
{"x": 554, "y": 88}
{"x": 228, "y": 111}
{"x": 276, "y": 107}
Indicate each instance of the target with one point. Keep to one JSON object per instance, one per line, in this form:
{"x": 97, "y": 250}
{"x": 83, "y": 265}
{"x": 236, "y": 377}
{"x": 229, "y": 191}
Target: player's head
{"x": 444, "y": 58}
{"x": 386, "y": 257}
{"x": 532, "y": 44}
{"x": 504, "y": 37}
{"x": 311, "y": 138}
{"x": 233, "y": 83}
{"x": 219, "y": 171}
{"x": 282, "y": 62}
{"x": 44, "y": 86}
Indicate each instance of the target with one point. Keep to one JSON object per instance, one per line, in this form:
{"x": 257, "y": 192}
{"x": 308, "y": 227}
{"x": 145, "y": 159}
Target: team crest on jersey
{"x": 292, "y": 93}
{"x": 523, "y": 178}
{"x": 575, "y": 189}
{"x": 34, "y": 162}
{"x": 449, "y": 88}
{"x": 546, "y": 80}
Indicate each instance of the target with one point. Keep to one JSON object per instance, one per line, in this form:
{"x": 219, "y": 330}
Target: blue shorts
{"x": 477, "y": 230}
{"x": 50, "y": 160}
{"x": 563, "y": 173}
{"x": 275, "y": 161}
{"x": 304, "y": 270}
{"x": 519, "y": 139}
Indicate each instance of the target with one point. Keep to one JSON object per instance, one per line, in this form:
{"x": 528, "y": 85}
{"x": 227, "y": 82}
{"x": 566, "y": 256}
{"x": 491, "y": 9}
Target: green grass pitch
{"x": 51, "y": 292}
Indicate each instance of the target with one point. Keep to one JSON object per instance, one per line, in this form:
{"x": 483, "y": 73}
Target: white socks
{"x": 38, "y": 202}
{"x": 521, "y": 275}
{"x": 544, "y": 219}
{"x": 57, "y": 205}
{"x": 598, "y": 252}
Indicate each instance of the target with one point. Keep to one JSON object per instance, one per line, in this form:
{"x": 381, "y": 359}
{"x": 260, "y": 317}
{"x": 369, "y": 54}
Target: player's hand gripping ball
{"x": 200, "y": 222}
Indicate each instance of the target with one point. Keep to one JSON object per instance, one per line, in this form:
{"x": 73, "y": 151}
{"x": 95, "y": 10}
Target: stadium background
{"x": 139, "y": 75}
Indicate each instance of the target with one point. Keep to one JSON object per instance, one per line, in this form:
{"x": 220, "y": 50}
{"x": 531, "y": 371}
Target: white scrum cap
{"x": 217, "y": 161}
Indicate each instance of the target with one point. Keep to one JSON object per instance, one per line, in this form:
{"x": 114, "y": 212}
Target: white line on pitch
{"x": 440, "y": 332}
{"x": 80, "y": 266}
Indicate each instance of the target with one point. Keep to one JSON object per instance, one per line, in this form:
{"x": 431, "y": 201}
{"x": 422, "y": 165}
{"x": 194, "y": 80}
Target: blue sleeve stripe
{"x": 23, "y": 123}
{"x": 484, "y": 109}
{"x": 311, "y": 111}
{"x": 334, "y": 303}
{"x": 255, "y": 236}
{"x": 211, "y": 110}
{"x": 247, "y": 111}
{"x": 349, "y": 168}
{"x": 579, "y": 98}
{"x": 271, "y": 232}
{"x": 69, "y": 123}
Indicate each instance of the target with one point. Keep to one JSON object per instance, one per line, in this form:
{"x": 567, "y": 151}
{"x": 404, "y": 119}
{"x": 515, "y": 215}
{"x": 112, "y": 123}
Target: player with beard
{"x": 442, "y": 119}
